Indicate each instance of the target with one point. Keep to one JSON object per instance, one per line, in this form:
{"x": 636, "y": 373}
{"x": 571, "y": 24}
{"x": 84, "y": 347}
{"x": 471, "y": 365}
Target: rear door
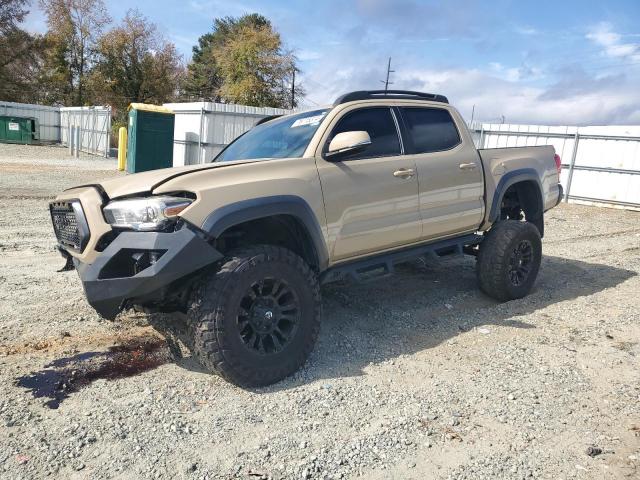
{"x": 450, "y": 175}
{"x": 371, "y": 197}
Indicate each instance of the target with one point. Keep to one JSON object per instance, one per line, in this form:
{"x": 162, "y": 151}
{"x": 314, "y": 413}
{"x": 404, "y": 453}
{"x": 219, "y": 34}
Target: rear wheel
{"x": 256, "y": 320}
{"x": 509, "y": 260}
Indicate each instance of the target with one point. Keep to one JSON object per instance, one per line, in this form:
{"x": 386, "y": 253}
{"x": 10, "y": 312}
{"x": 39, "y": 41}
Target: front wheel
{"x": 256, "y": 319}
{"x": 509, "y": 260}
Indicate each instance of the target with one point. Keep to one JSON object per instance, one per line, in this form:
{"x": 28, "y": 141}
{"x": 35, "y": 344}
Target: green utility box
{"x": 150, "y": 138}
{"x": 18, "y": 130}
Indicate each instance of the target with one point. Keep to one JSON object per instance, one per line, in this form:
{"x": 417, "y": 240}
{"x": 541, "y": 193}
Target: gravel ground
{"x": 418, "y": 377}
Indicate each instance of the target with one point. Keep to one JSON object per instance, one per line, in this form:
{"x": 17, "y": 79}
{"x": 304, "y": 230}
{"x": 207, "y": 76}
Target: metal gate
{"x": 94, "y": 124}
{"x": 600, "y": 164}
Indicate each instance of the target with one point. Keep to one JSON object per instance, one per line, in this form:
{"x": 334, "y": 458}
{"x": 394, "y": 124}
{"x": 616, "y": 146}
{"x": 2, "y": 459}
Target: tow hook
{"x": 68, "y": 266}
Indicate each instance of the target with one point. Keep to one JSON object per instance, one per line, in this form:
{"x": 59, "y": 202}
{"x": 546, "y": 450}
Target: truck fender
{"x": 233, "y": 214}
{"x": 509, "y": 179}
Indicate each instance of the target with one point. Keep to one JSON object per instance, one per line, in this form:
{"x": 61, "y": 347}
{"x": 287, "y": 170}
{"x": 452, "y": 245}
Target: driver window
{"x": 379, "y": 124}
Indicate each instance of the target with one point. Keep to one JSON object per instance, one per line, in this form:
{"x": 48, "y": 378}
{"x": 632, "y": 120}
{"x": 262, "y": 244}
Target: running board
{"x": 382, "y": 265}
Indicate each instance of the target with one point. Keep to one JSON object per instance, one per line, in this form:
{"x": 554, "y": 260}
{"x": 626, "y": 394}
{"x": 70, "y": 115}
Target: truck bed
{"x": 504, "y": 165}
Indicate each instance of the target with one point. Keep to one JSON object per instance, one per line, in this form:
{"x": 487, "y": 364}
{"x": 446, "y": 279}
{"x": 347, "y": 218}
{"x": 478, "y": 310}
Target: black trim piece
{"x": 236, "y": 213}
{"x": 407, "y": 143}
{"x": 398, "y": 130}
{"x": 560, "y": 194}
{"x": 511, "y": 178}
{"x": 386, "y": 261}
{"x": 389, "y": 94}
{"x": 83, "y": 226}
{"x": 267, "y": 119}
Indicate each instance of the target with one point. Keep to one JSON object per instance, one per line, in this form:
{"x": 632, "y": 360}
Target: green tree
{"x": 18, "y": 53}
{"x": 254, "y": 68}
{"x": 135, "y": 64}
{"x": 259, "y": 73}
{"x": 203, "y": 77}
{"x": 73, "y": 29}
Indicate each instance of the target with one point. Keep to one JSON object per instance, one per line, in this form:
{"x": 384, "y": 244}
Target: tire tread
{"x": 209, "y": 304}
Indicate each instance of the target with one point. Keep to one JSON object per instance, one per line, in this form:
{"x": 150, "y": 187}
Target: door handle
{"x": 404, "y": 173}
{"x": 467, "y": 166}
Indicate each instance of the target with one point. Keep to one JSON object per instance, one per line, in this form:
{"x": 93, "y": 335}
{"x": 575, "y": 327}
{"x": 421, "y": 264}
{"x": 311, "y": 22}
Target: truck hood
{"x": 146, "y": 182}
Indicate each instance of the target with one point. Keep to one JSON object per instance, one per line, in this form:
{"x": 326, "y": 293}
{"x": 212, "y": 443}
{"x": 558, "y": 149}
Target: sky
{"x": 561, "y": 62}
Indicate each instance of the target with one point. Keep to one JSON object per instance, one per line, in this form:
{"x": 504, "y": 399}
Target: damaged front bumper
{"x": 137, "y": 266}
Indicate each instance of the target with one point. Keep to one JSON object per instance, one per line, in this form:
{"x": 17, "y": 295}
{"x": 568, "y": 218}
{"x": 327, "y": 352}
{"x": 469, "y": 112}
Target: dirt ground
{"x": 417, "y": 376}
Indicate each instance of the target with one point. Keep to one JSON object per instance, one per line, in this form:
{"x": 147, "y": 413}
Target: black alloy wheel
{"x": 268, "y": 316}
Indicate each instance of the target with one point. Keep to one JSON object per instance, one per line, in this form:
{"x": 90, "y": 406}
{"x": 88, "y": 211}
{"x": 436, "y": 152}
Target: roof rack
{"x": 396, "y": 94}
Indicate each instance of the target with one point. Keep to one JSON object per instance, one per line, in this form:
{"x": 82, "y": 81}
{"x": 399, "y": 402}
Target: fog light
{"x": 143, "y": 260}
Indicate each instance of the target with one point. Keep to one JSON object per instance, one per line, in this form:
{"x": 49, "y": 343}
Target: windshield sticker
{"x": 301, "y": 122}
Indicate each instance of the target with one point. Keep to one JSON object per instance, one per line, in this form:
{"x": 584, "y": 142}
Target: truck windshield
{"x": 284, "y": 137}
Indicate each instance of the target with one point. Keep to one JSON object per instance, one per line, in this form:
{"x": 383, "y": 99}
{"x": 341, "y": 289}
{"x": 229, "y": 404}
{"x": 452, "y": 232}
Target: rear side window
{"x": 431, "y": 129}
{"x": 380, "y": 126}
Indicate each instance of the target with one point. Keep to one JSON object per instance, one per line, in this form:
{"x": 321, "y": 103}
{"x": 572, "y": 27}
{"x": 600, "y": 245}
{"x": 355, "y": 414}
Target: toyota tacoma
{"x": 241, "y": 245}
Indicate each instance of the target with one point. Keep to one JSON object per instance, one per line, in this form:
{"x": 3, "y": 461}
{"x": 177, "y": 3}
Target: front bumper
{"x": 111, "y": 281}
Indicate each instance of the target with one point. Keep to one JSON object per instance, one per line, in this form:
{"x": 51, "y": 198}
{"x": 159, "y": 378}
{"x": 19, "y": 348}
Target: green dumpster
{"x": 17, "y": 129}
{"x": 150, "y": 138}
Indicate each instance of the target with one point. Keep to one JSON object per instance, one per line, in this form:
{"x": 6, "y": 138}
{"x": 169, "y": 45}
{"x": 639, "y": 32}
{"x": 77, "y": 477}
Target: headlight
{"x": 145, "y": 214}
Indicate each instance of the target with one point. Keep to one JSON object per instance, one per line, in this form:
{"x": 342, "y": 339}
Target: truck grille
{"x": 69, "y": 224}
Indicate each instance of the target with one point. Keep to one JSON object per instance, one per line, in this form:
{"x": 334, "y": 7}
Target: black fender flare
{"x": 509, "y": 179}
{"x": 253, "y": 209}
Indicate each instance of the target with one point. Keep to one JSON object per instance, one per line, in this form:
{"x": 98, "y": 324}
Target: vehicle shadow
{"x": 427, "y": 303}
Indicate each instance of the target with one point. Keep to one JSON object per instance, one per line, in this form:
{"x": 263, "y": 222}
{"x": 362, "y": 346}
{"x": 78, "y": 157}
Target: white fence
{"x": 53, "y": 124}
{"x": 600, "y": 164}
{"x": 94, "y": 124}
{"x": 202, "y": 129}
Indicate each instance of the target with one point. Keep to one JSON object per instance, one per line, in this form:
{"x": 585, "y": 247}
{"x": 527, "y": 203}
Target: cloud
{"x": 528, "y": 89}
{"x": 516, "y": 74}
{"x": 396, "y": 19}
{"x": 576, "y": 98}
{"x": 525, "y": 30}
{"x": 604, "y": 36}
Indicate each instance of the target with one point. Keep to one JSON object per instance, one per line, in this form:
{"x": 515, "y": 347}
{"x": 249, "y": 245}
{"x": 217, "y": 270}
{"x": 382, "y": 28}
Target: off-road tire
{"x": 497, "y": 264}
{"x": 216, "y": 316}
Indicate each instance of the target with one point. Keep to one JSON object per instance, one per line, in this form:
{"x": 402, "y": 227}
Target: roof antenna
{"x": 387, "y": 82}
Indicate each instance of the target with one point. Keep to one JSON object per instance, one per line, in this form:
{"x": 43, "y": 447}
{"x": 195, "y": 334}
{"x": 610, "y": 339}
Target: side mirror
{"x": 348, "y": 142}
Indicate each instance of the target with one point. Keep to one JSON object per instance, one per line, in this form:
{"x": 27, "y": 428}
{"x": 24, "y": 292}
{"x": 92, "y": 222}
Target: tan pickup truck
{"x": 241, "y": 245}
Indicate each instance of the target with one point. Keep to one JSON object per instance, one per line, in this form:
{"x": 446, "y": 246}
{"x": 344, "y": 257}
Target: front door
{"x": 371, "y": 196}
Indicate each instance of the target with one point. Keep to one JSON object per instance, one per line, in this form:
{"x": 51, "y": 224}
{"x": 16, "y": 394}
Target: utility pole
{"x": 389, "y": 71}
{"x": 293, "y": 89}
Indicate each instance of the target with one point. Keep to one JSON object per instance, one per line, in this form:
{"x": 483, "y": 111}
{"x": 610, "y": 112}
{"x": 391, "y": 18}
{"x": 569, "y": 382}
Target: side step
{"x": 382, "y": 265}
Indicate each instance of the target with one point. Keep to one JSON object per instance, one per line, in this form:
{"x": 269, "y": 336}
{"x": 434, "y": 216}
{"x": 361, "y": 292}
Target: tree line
{"x": 85, "y": 59}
